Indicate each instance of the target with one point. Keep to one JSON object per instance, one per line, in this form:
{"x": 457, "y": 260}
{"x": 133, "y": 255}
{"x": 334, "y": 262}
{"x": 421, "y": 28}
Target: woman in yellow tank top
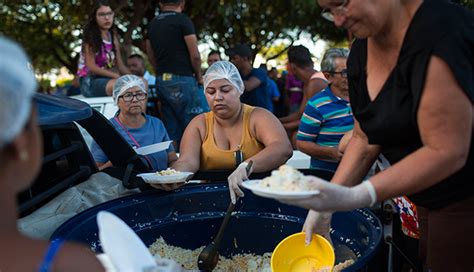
{"x": 211, "y": 139}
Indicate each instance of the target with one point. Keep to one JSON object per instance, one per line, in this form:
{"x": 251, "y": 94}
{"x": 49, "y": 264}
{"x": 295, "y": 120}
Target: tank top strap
{"x": 209, "y": 119}
{"x": 319, "y": 75}
{"x": 246, "y": 122}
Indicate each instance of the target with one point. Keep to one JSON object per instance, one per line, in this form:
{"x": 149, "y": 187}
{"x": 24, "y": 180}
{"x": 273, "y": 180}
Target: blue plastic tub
{"x": 190, "y": 217}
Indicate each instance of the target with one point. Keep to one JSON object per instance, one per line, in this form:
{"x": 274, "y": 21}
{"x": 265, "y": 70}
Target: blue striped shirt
{"x": 325, "y": 120}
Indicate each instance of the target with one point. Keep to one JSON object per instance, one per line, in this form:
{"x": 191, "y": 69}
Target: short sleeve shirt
{"x": 166, "y": 33}
{"x": 441, "y": 29}
{"x": 258, "y": 97}
{"x": 152, "y": 132}
{"x": 325, "y": 120}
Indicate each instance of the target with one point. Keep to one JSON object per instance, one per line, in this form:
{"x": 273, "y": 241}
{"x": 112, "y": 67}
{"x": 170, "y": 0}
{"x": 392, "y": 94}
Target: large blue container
{"x": 190, "y": 217}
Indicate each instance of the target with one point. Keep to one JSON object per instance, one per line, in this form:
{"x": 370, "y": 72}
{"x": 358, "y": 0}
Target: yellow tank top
{"x": 213, "y": 157}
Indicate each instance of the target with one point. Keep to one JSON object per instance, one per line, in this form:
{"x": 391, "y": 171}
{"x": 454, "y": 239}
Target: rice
{"x": 239, "y": 262}
{"x": 167, "y": 172}
{"x": 341, "y": 266}
{"x": 287, "y": 179}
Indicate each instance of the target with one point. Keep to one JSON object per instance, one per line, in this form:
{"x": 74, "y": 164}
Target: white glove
{"x": 235, "y": 180}
{"x": 333, "y": 197}
{"x": 318, "y": 223}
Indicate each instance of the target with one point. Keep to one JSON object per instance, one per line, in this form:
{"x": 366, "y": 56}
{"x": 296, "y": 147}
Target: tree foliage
{"x": 50, "y": 31}
{"x": 47, "y": 30}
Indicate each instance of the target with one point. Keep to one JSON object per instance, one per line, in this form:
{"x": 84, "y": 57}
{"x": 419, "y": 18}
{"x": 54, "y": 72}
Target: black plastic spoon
{"x": 209, "y": 256}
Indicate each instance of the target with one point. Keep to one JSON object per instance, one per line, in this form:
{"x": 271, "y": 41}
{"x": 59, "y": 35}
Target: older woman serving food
{"x": 213, "y": 140}
{"x": 412, "y": 94}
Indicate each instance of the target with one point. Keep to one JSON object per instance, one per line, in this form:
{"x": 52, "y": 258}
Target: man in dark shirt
{"x": 173, "y": 52}
{"x": 255, "y": 80}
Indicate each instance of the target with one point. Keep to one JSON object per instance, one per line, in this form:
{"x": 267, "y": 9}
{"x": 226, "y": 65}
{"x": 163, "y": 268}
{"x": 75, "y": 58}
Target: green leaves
{"x": 50, "y": 31}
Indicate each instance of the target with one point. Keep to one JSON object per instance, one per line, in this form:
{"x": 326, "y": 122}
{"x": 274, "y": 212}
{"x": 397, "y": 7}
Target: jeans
{"x": 180, "y": 103}
{"x": 93, "y": 86}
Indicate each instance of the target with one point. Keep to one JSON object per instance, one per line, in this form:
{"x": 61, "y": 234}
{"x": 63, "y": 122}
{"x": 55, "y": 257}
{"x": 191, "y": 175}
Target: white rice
{"x": 240, "y": 262}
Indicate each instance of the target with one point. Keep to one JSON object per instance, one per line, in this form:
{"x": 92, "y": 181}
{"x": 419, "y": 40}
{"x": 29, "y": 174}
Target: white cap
{"x": 17, "y": 86}
{"x": 126, "y": 82}
{"x": 224, "y": 70}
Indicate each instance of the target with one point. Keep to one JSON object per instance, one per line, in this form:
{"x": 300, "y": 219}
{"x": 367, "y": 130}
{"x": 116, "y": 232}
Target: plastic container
{"x": 190, "y": 217}
{"x": 292, "y": 254}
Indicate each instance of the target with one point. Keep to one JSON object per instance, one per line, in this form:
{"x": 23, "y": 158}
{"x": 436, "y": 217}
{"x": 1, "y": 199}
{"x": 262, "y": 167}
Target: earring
{"x": 24, "y": 156}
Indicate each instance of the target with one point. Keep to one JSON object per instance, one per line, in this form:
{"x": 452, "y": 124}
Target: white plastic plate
{"x": 165, "y": 179}
{"x": 258, "y": 189}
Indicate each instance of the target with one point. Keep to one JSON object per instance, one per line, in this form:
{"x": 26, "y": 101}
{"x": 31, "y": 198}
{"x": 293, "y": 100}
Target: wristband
{"x": 46, "y": 265}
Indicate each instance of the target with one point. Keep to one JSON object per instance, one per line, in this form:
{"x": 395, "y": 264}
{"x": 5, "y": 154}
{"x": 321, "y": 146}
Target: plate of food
{"x": 167, "y": 176}
{"x": 284, "y": 183}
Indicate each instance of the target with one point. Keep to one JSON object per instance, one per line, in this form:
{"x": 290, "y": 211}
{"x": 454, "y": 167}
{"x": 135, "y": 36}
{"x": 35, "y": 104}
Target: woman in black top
{"x": 412, "y": 90}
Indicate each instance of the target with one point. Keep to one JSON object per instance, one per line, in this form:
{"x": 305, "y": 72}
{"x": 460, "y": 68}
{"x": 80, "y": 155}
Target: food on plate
{"x": 287, "y": 179}
{"x": 167, "y": 172}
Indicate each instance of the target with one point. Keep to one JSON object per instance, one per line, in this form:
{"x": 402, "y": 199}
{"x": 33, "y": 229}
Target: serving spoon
{"x": 209, "y": 256}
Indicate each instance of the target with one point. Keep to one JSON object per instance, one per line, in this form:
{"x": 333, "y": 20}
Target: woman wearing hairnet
{"x": 212, "y": 140}
{"x": 20, "y": 161}
{"x": 138, "y": 128}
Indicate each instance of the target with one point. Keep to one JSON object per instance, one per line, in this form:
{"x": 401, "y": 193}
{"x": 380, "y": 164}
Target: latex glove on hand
{"x": 317, "y": 223}
{"x": 334, "y": 197}
{"x": 235, "y": 180}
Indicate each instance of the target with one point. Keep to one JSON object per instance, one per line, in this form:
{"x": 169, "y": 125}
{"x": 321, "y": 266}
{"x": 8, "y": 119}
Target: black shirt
{"x": 166, "y": 34}
{"x": 438, "y": 28}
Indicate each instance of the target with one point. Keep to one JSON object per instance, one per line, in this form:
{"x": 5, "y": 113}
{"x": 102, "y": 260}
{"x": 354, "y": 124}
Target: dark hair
{"x": 136, "y": 56}
{"x": 300, "y": 56}
{"x": 91, "y": 34}
{"x": 214, "y": 52}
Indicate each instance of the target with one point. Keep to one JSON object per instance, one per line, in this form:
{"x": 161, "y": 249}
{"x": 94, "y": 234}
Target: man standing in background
{"x": 302, "y": 66}
{"x": 213, "y": 56}
{"x": 328, "y": 115}
{"x": 173, "y": 52}
{"x": 136, "y": 65}
{"x": 255, "y": 80}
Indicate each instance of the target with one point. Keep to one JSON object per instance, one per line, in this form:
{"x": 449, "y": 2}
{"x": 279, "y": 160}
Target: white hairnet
{"x": 224, "y": 70}
{"x": 126, "y": 82}
{"x": 17, "y": 86}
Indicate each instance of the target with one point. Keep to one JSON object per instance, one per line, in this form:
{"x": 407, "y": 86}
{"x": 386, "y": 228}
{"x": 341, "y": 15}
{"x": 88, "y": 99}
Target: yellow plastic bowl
{"x": 292, "y": 254}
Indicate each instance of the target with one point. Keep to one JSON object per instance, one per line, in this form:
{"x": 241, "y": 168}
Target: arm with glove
{"x": 277, "y": 149}
{"x": 357, "y": 160}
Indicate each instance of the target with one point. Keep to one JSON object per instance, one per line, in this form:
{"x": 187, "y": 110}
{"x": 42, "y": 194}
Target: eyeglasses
{"x": 343, "y": 73}
{"x": 128, "y": 97}
{"x": 329, "y": 13}
{"x": 105, "y": 14}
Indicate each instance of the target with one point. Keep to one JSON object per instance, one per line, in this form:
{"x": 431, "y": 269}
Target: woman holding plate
{"x": 137, "y": 128}
{"x": 212, "y": 140}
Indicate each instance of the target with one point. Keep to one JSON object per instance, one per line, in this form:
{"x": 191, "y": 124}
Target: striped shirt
{"x": 325, "y": 120}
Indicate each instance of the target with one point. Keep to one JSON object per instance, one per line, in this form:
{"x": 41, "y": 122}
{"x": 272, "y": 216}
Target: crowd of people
{"x": 404, "y": 93}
